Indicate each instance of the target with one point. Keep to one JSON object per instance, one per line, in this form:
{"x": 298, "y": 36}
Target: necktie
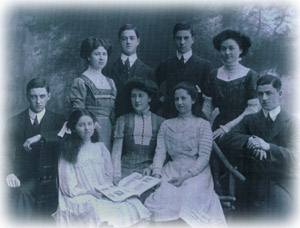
{"x": 269, "y": 119}
{"x": 181, "y": 60}
{"x": 35, "y": 122}
{"x": 127, "y": 64}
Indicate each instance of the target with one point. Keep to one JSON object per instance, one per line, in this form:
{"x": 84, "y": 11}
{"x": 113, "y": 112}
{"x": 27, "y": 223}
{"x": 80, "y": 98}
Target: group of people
{"x": 160, "y": 123}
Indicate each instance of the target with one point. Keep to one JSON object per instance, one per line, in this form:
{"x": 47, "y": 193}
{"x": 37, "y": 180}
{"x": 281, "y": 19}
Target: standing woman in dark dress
{"x": 232, "y": 88}
{"x": 93, "y": 90}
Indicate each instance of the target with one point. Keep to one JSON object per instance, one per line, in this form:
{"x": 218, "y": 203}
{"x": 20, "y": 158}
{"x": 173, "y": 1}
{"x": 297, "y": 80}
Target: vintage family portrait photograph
{"x": 149, "y": 113}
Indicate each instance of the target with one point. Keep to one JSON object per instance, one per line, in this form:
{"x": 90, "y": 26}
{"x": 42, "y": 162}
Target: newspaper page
{"x": 133, "y": 185}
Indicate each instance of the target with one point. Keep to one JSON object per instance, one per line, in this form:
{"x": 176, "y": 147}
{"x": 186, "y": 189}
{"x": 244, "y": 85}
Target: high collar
{"x": 144, "y": 113}
{"x": 39, "y": 115}
{"x": 186, "y": 56}
{"x": 132, "y": 58}
{"x": 273, "y": 113}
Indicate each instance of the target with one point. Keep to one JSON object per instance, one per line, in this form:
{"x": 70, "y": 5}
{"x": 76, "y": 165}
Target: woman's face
{"x": 183, "y": 101}
{"x": 139, "y": 100}
{"x": 98, "y": 58}
{"x": 85, "y": 128}
{"x": 230, "y": 51}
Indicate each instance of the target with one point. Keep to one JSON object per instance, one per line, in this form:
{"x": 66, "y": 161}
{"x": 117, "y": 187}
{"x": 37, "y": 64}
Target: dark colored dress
{"x": 137, "y": 156}
{"x": 101, "y": 102}
{"x": 231, "y": 97}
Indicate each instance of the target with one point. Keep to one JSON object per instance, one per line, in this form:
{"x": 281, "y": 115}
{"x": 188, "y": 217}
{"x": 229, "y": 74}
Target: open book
{"x": 133, "y": 185}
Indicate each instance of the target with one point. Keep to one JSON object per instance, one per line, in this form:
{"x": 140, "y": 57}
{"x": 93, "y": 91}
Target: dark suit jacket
{"x": 280, "y": 156}
{"x": 170, "y": 72}
{"x": 25, "y": 164}
{"x": 118, "y": 73}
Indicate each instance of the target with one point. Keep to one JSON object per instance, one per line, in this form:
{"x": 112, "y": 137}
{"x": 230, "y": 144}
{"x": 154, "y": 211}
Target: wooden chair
{"x": 228, "y": 199}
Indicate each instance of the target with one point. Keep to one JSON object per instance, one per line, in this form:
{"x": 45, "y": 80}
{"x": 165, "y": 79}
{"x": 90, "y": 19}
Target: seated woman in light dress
{"x": 136, "y": 132}
{"x": 84, "y": 165}
{"x": 187, "y": 189}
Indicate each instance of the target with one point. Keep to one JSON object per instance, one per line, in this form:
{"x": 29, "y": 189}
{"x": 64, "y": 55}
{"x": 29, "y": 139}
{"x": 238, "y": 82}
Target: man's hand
{"x": 27, "y": 144}
{"x": 255, "y": 142}
{"x": 13, "y": 181}
{"x": 260, "y": 154}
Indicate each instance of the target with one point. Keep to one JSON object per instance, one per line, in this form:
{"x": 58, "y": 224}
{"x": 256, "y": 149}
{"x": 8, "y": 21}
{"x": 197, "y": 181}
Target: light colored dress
{"x": 188, "y": 141}
{"x": 80, "y": 202}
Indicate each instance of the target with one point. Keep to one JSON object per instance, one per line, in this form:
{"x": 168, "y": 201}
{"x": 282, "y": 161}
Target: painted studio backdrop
{"x": 46, "y": 42}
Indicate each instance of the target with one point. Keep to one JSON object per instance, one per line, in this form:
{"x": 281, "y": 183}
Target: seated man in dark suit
{"x": 264, "y": 140}
{"x": 185, "y": 66}
{"x": 128, "y": 65}
{"x": 32, "y": 153}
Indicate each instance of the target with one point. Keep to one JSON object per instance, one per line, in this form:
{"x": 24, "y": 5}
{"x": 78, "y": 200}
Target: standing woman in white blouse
{"x": 93, "y": 90}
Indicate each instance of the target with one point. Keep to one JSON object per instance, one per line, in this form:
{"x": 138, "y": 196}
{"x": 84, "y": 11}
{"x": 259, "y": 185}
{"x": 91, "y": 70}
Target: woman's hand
{"x": 116, "y": 180}
{"x": 156, "y": 175}
{"x": 218, "y": 133}
{"x": 147, "y": 171}
{"x": 177, "y": 181}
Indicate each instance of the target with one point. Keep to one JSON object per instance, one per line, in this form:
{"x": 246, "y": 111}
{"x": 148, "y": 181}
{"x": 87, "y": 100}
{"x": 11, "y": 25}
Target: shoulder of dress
{"x": 79, "y": 80}
{"x": 202, "y": 122}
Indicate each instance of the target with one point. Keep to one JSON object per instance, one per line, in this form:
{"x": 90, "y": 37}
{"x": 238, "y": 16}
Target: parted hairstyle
{"x": 268, "y": 79}
{"x": 128, "y": 27}
{"x": 242, "y": 40}
{"x": 182, "y": 26}
{"x": 71, "y": 144}
{"x": 195, "y": 95}
{"x": 88, "y": 45}
{"x": 37, "y": 83}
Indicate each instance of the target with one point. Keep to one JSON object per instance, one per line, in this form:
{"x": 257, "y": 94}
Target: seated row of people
{"x": 264, "y": 140}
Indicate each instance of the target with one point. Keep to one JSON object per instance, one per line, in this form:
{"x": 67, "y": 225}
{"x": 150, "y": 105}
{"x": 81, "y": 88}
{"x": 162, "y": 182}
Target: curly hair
{"x": 242, "y": 40}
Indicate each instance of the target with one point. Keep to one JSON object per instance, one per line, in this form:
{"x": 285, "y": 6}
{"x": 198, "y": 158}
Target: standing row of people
{"x": 176, "y": 150}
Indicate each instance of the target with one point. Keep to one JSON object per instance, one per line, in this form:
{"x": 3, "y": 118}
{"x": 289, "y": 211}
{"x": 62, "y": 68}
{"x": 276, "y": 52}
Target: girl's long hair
{"x": 72, "y": 143}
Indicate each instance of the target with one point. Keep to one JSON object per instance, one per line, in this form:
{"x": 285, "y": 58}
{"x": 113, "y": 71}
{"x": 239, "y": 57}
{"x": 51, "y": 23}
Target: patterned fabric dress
{"x": 84, "y": 94}
{"x": 80, "y": 202}
{"x": 188, "y": 142}
{"x": 139, "y": 133}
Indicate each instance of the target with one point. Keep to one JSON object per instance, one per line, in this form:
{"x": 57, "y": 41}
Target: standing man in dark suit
{"x": 185, "y": 66}
{"x": 128, "y": 65}
{"x": 264, "y": 140}
{"x": 32, "y": 154}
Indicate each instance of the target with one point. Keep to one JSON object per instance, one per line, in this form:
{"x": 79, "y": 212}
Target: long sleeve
{"x": 118, "y": 146}
{"x": 68, "y": 182}
{"x": 238, "y": 136}
{"x": 160, "y": 151}
{"x": 108, "y": 164}
{"x": 204, "y": 148}
{"x": 78, "y": 93}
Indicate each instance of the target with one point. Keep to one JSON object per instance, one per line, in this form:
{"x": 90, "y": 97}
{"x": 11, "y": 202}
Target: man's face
{"x": 129, "y": 42}
{"x": 38, "y": 98}
{"x": 268, "y": 96}
{"x": 184, "y": 41}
